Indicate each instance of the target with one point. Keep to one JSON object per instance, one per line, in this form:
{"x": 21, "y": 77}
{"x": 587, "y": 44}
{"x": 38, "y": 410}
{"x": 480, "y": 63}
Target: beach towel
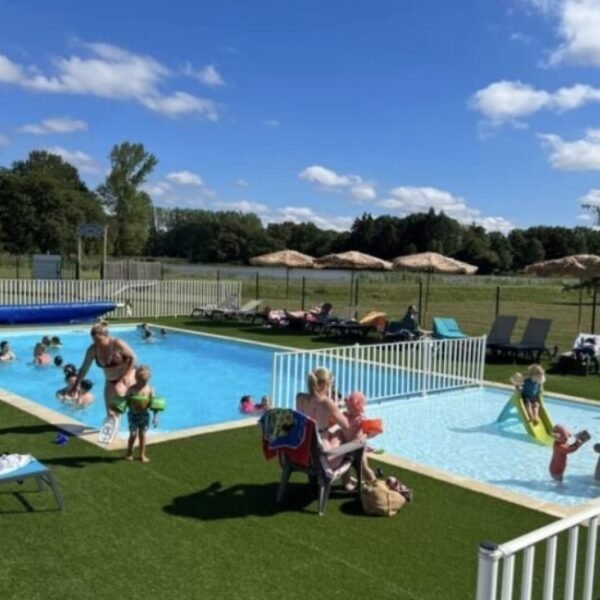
{"x": 288, "y": 431}
{"x": 12, "y": 462}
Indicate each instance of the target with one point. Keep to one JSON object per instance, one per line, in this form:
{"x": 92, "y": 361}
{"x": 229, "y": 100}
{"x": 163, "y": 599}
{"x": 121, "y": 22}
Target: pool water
{"x": 456, "y": 432}
{"x": 201, "y": 377}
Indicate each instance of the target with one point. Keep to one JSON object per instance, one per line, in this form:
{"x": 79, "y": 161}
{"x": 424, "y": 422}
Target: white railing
{"x": 383, "y": 371}
{"x": 493, "y": 556}
{"x": 168, "y": 298}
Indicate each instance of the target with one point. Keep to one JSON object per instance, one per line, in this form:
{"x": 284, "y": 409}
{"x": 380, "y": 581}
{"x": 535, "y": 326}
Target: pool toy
{"x": 515, "y": 408}
{"x": 119, "y": 405}
{"x": 108, "y": 430}
{"x": 158, "y": 404}
{"x": 59, "y": 312}
{"x": 61, "y": 439}
{"x": 371, "y": 426}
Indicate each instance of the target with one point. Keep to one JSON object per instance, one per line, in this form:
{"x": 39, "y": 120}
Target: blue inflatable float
{"x": 60, "y": 312}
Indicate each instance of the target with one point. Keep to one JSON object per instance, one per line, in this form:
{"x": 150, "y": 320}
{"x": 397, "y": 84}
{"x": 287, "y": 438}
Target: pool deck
{"x": 88, "y": 434}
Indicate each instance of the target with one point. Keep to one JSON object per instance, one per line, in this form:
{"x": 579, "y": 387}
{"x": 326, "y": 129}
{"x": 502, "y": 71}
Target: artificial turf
{"x": 200, "y": 521}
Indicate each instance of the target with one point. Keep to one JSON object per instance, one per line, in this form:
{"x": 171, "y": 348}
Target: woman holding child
{"x": 319, "y": 406}
{"x": 115, "y": 358}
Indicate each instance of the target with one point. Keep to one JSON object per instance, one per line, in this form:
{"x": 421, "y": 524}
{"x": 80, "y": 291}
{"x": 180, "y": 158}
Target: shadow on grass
{"x": 79, "y": 462}
{"x": 245, "y": 500}
{"x": 29, "y": 429}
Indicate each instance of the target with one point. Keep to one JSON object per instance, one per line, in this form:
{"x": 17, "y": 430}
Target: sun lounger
{"x": 246, "y": 311}
{"x": 447, "y": 329}
{"x": 40, "y": 473}
{"x": 373, "y": 321}
{"x": 500, "y": 333}
{"x": 229, "y": 303}
{"x": 581, "y": 361}
{"x": 533, "y": 343}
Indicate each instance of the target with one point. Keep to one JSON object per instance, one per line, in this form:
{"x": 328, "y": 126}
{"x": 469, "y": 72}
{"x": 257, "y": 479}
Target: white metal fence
{"x": 494, "y": 556}
{"x": 383, "y": 371}
{"x": 143, "y": 298}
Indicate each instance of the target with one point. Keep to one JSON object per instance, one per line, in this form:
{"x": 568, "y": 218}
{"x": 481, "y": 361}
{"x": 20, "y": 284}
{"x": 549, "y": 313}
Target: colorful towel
{"x": 285, "y": 430}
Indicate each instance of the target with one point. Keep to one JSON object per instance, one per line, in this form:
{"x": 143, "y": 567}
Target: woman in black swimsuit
{"x": 114, "y": 357}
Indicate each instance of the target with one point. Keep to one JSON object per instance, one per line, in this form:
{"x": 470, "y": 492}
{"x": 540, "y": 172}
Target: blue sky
{"x": 318, "y": 111}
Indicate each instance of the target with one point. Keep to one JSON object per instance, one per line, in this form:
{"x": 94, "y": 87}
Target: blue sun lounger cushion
{"x": 447, "y": 329}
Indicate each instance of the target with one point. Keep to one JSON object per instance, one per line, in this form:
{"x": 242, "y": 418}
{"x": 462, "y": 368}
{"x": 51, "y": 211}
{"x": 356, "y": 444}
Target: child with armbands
{"x": 561, "y": 448}
{"x": 247, "y": 404}
{"x": 140, "y": 402}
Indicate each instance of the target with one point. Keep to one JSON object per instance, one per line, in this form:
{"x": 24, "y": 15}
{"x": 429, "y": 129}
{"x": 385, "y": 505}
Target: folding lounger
{"x": 40, "y": 473}
{"x": 230, "y": 302}
{"x": 533, "y": 343}
{"x": 580, "y": 362}
{"x": 500, "y": 333}
{"x": 248, "y": 310}
{"x": 447, "y": 329}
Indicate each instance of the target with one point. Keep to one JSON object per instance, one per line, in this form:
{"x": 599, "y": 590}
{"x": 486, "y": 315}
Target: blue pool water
{"x": 456, "y": 432}
{"x": 202, "y": 377}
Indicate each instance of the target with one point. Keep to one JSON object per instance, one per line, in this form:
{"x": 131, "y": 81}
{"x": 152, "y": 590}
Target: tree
{"x": 130, "y": 208}
{"x": 42, "y": 201}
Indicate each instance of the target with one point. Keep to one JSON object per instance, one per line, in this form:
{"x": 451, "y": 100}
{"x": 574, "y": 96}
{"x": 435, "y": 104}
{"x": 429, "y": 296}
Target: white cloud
{"x": 55, "y": 125}
{"x": 185, "y": 178}
{"x": 520, "y": 38}
{"x": 109, "y": 72}
{"x": 208, "y": 75}
{"x": 585, "y": 217}
{"x": 579, "y": 30}
{"x": 405, "y": 200}
{"x": 4, "y": 140}
{"x": 82, "y": 161}
{"x": 302, "y": 214}
{"x": 242, "y": 183}
{"x": 244, "y": 206}
{"x": 271, "y": 123}
{"x": 591, "y": 199}
{"x": 578, "y": 155}
{"x": 508, "y": 101}
{"x": 327, "y": 180}
{"x": 159, "y": 188}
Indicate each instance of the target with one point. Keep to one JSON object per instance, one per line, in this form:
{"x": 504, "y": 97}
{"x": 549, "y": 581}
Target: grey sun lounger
{"x": 533, "y": 343}
{"x": 229, "y": 303}
{"x": 501, "y": 332}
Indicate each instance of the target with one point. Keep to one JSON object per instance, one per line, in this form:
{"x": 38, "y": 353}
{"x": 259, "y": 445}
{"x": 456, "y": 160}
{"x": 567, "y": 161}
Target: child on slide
{"x": 531, "y": 388}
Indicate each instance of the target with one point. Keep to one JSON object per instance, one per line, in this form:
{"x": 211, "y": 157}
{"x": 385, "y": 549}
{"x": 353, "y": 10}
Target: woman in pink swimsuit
{"x": 114, "y": 357}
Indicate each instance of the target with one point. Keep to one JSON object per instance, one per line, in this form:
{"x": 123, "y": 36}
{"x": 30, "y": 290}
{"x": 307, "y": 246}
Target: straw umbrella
{"x": 289, "y": 259}
{"x": 432, "y": 262}
{"x": 352, "y": 260}
{"x": 585, "y": 267}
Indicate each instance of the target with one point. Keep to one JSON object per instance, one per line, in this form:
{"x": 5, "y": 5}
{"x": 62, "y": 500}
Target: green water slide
{"x": 515, "y": 408}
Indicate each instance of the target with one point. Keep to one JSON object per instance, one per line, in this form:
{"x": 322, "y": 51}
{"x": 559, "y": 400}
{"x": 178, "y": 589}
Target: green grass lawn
{"x": 200, "y": 521}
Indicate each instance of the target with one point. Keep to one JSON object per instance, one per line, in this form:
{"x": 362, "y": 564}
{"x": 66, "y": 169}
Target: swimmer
{"x": 146, "y": 332}
{"x": 40, "y": 356}
{"x": 58, "y": 361}
{"x": 6, "y": 354}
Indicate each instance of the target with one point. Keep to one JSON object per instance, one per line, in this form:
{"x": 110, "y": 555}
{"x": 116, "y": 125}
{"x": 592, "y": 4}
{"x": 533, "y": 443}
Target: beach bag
{"x": 378, "y": 500}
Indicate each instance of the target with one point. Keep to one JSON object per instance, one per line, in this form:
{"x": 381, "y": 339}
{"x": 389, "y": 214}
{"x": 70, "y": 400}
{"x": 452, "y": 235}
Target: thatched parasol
{"x": 584, "y": 267}
{"x": 432, "y": 262}
{"x": 289, "y": 259}
{"x": 352, "y": 260}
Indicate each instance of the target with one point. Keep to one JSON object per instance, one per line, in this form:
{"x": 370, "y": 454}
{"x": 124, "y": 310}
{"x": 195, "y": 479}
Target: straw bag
{"x": 377, "y": 499}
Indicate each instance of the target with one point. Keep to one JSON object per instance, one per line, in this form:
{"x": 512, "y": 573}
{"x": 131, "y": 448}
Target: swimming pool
{"x": 203, "y": 378}
{"x": 457, "y": 433}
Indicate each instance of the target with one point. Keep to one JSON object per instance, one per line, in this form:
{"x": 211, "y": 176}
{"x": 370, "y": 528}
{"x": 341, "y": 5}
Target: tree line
{"x": 43, "y": 200}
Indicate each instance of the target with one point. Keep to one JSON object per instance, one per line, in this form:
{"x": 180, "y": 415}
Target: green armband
{"x": 158, "y": 404}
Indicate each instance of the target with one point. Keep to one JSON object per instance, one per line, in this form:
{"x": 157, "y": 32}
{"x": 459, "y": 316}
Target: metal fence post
{"x": 420, "y": 296}
{"x": 594, "y": 310}
{"x": 487, "y": 571}
{"x": 303, "y": 292}
{"x": 257, "y": 285}
{"x": 497, "y": 300}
